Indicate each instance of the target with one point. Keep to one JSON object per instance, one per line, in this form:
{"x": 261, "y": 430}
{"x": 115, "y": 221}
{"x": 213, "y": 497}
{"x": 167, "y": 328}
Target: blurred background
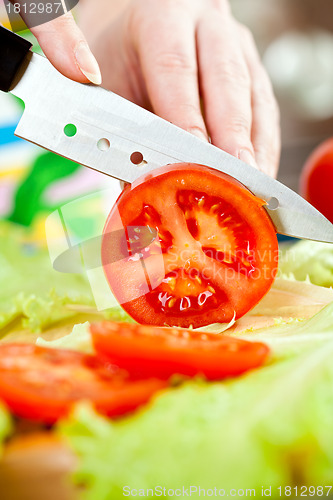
{"x": 295, "y": 39}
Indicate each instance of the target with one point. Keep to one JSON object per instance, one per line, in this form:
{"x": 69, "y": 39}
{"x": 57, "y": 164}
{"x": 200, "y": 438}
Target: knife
{"x": 118, "y": 138}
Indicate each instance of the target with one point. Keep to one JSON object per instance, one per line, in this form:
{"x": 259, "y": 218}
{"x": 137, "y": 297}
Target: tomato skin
{"x": 317, "y": 179}
{"x": 42, "y": 384}
{"x": 163, "y": 352}
{"x": 141, "y": 289}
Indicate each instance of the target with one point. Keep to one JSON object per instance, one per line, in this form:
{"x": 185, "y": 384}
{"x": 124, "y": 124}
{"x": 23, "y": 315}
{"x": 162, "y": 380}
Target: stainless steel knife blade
{"x": 53, "y": 101}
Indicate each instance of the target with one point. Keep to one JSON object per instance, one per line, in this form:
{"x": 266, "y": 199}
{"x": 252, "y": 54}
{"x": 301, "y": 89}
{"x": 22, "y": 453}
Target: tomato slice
{"x": 215, "y": 255}
{"x": 163, "y": 352}
{"x": 317, "y": 178}
{"x": 42, "y": 384}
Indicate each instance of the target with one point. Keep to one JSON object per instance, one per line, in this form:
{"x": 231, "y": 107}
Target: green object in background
{"x": 29, "y": 200}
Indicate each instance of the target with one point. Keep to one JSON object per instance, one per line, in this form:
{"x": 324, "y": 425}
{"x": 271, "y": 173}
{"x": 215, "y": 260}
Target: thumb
{"x": 65, "y": 46}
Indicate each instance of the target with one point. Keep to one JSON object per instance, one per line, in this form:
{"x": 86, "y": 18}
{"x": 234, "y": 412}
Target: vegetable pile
{"x": 270, "y": 426}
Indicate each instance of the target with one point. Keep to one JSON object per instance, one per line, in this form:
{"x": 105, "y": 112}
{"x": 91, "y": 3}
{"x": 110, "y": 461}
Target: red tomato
{"x": 215, "y": 256}
{"x": 162, "y": 352}
{"x": 42, "y": 384}
{"x": 317, "y": 179}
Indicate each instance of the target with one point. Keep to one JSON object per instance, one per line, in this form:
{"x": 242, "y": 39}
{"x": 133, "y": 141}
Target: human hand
{"x": 190, "y": 62}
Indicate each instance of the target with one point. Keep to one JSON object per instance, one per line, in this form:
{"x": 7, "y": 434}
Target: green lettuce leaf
{"x": 31, "y": 289}
{"x": 36, "y": 295}
{"x": 78, "y": 340}
{"x": 271, "y": 427}
{"x": 309, "y": 260}
{"x": 295, "y": 336}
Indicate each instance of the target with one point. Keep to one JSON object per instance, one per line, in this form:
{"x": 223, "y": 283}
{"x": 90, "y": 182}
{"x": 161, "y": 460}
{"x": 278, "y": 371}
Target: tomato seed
{"x": 172, "y": 302}
{"x": 199, "y": 280}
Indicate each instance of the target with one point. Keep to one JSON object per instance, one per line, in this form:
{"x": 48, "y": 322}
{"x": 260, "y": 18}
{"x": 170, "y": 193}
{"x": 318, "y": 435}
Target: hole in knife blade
{"x": 103, "y": 144}
{"x": 137, "y": 159}
{"x": 273, "y": 203}
{"x": 70, "y": 130}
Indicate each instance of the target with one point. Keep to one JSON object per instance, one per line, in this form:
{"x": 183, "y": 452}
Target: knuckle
{"x": 239, "y": 125}
{"x": 232, "y": 72}
{"x": 175, "y": 62}
{"x": 192, "y": 119}
{"x": 189, "y": 109}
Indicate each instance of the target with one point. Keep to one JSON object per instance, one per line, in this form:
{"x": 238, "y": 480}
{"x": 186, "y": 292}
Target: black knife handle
{"x": 13, "y": 49}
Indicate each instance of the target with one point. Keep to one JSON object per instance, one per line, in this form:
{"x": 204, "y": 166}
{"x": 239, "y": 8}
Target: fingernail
{"x": 87, "y": 63}
{"x": 247, "y": 157}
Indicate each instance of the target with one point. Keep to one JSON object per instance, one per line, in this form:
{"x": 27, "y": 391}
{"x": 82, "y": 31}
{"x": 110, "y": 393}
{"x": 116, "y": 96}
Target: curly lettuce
{"x": 270, "y": 427}
{"x": 32, "y": 291}
{"x": 308, "y": 260}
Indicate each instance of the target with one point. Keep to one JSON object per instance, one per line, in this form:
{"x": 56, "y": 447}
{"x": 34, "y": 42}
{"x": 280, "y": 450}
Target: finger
{"x": 226, "y": 86}
{"x": 266, "y": 118}
{"x": 65, "y": 46}
{"x": 167, "y": 53}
